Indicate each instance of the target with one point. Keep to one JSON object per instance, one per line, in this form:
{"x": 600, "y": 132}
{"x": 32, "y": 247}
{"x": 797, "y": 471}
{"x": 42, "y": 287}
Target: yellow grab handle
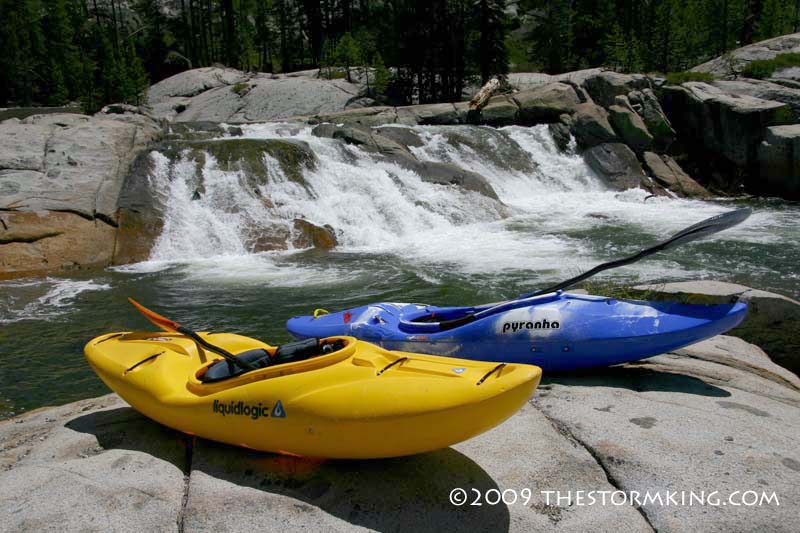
{"x": 319, "y": 312}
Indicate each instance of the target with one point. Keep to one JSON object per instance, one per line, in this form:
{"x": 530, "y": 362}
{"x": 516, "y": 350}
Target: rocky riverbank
{"x": 718, "y": 416}
{"x": 71, "y": 196}
{"x": 69, "y": 199}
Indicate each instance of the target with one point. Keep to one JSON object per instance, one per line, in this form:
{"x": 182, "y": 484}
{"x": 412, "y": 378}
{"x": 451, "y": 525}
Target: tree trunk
{"x": 481, "y": 98}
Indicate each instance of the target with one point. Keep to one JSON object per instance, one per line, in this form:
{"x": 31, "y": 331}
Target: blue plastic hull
{"x": 556, "y": 332}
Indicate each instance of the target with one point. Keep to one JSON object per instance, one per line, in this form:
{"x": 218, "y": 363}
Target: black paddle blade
{"x": 708, "y": 227}
{"x": 700, "y": 230}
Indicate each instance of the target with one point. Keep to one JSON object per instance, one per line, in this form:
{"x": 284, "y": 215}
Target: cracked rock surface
{"x": 228, "y": 95}
{"x": 717, "y": 416}
{"x": 60, "y": 176}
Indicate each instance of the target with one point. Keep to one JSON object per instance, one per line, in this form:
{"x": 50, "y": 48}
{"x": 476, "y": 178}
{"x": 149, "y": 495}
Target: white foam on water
{"x": 42, "y": 299}
{"x": 551, "y": 201}
{"x": 261, "y": 269}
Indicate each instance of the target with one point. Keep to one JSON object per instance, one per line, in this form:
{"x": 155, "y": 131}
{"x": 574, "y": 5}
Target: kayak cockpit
{"x": 260, "y": 358}
{"x": 435, "y": 319}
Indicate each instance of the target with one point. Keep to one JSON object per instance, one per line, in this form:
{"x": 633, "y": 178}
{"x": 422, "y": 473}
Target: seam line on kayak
{"x": 143, "y": 361}
{"x": 490, "y": 372}
{"x": 390, "y": 365}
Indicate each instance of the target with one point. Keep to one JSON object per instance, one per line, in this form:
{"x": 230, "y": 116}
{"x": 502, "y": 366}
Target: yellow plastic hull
{"x": 335, "y": 405}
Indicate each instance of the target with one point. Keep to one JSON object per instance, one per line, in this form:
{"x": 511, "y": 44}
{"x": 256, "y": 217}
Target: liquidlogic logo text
{"x": 243, "y": 409}
{"x": 513, "y": 327}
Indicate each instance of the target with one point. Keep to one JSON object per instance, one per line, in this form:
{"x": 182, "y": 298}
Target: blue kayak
{"x": 557, "y": 331}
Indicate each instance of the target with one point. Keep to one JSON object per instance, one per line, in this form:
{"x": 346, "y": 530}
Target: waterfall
{"x": 549, "y": 202}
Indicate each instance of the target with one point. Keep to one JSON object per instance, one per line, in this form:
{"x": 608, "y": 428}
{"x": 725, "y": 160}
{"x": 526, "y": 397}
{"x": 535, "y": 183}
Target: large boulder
{"x": 500, "y": 111}
{"x": 764, "y": 90}
{"x": 616, "y": 165}
{"x": 308, "y": 235}
{"x": 448, "y": 174}
{"x": 235, "y": 154}
{"x": 629, "y": 125}
{"x": 36, "y": 242}
{"x": 404, "y": 136}
{"x": 228, "y": 95}
{"x": 772, "y": 322}
{"x": 730, "y": 126}
{"x": 546, "y": 103}
{"x": 646, "y": 104}
{"x": 669, "y": 174}
{"x": 731, "y": 65}
{"x": 429, "y": 114}
{"x": 141, "y": 206}
{"x": 590, "y": 126}
{"x": 606, "y": 85}
{"x": 779, "y": 160}
{"x": 81, "y": 165}
{"x": 60, "y": 179}
{"x": 193, "y": 82}
{"x": 524, "y": 81}
{"x": 367, "y": 138}
{"x": 561, "y": 135}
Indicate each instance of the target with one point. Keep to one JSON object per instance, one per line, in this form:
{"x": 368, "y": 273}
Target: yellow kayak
{"x": 336, "y": 397}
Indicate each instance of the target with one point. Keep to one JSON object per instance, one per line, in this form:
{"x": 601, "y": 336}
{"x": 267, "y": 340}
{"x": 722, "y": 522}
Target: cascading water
{"x": 551, "y": 204}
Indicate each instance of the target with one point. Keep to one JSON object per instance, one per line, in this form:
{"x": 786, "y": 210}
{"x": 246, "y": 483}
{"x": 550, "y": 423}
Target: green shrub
{"x": 764, "y": 68}
{"x": 241, "y": 88}
{"x": 676, "y": 78}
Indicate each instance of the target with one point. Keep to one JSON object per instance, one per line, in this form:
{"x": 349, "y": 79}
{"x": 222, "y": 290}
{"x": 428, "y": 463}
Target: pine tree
{"x": 135, "y": 77}
{"x": 348, "y": 53}
{"x": 553, "y": 35}
{"x": 776, "y": 19}
{"x": 24, "y": 51}
{"x": 614, "y": 48}
{"x": 382, "y": 75}
{"x": 56, "y": 93}
{"x": 63, "y": 56}
{"x": 492, "y": 52}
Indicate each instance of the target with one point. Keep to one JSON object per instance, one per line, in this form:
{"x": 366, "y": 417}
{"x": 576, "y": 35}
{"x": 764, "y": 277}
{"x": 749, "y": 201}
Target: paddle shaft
{"x": 171, "y": 326}
{"x": 216, "y": 349}
{"x": 696, "y": 231}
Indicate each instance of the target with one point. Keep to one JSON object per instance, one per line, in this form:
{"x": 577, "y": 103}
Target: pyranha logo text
{"x": 513, "y": 327}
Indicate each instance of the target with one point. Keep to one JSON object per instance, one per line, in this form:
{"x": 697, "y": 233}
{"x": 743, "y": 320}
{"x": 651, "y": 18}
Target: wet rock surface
{"x": 717, "y": 416}
{"x": 617, "y": 165}
{"x": 669, "y": 174}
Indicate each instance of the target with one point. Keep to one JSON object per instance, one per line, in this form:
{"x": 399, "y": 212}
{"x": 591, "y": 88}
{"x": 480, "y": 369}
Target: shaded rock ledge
{"x": 716, "y": 416}
{"x": 772, "y": 322}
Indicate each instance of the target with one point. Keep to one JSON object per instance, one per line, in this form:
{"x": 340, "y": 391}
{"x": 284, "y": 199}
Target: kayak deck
{"x": 557, "y": 332}
{"x": 359, "y": 401}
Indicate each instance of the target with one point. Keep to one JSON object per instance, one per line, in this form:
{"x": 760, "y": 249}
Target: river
{"x": 400, "y": 239}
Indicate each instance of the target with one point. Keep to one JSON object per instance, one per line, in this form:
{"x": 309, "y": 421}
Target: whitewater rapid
{"x": 548, "y": 201}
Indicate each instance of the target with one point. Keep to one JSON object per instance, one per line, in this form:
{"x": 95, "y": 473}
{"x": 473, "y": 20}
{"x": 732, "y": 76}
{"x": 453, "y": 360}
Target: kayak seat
{"x": 222, "y": 369}
{"x": 285, "y": 353}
